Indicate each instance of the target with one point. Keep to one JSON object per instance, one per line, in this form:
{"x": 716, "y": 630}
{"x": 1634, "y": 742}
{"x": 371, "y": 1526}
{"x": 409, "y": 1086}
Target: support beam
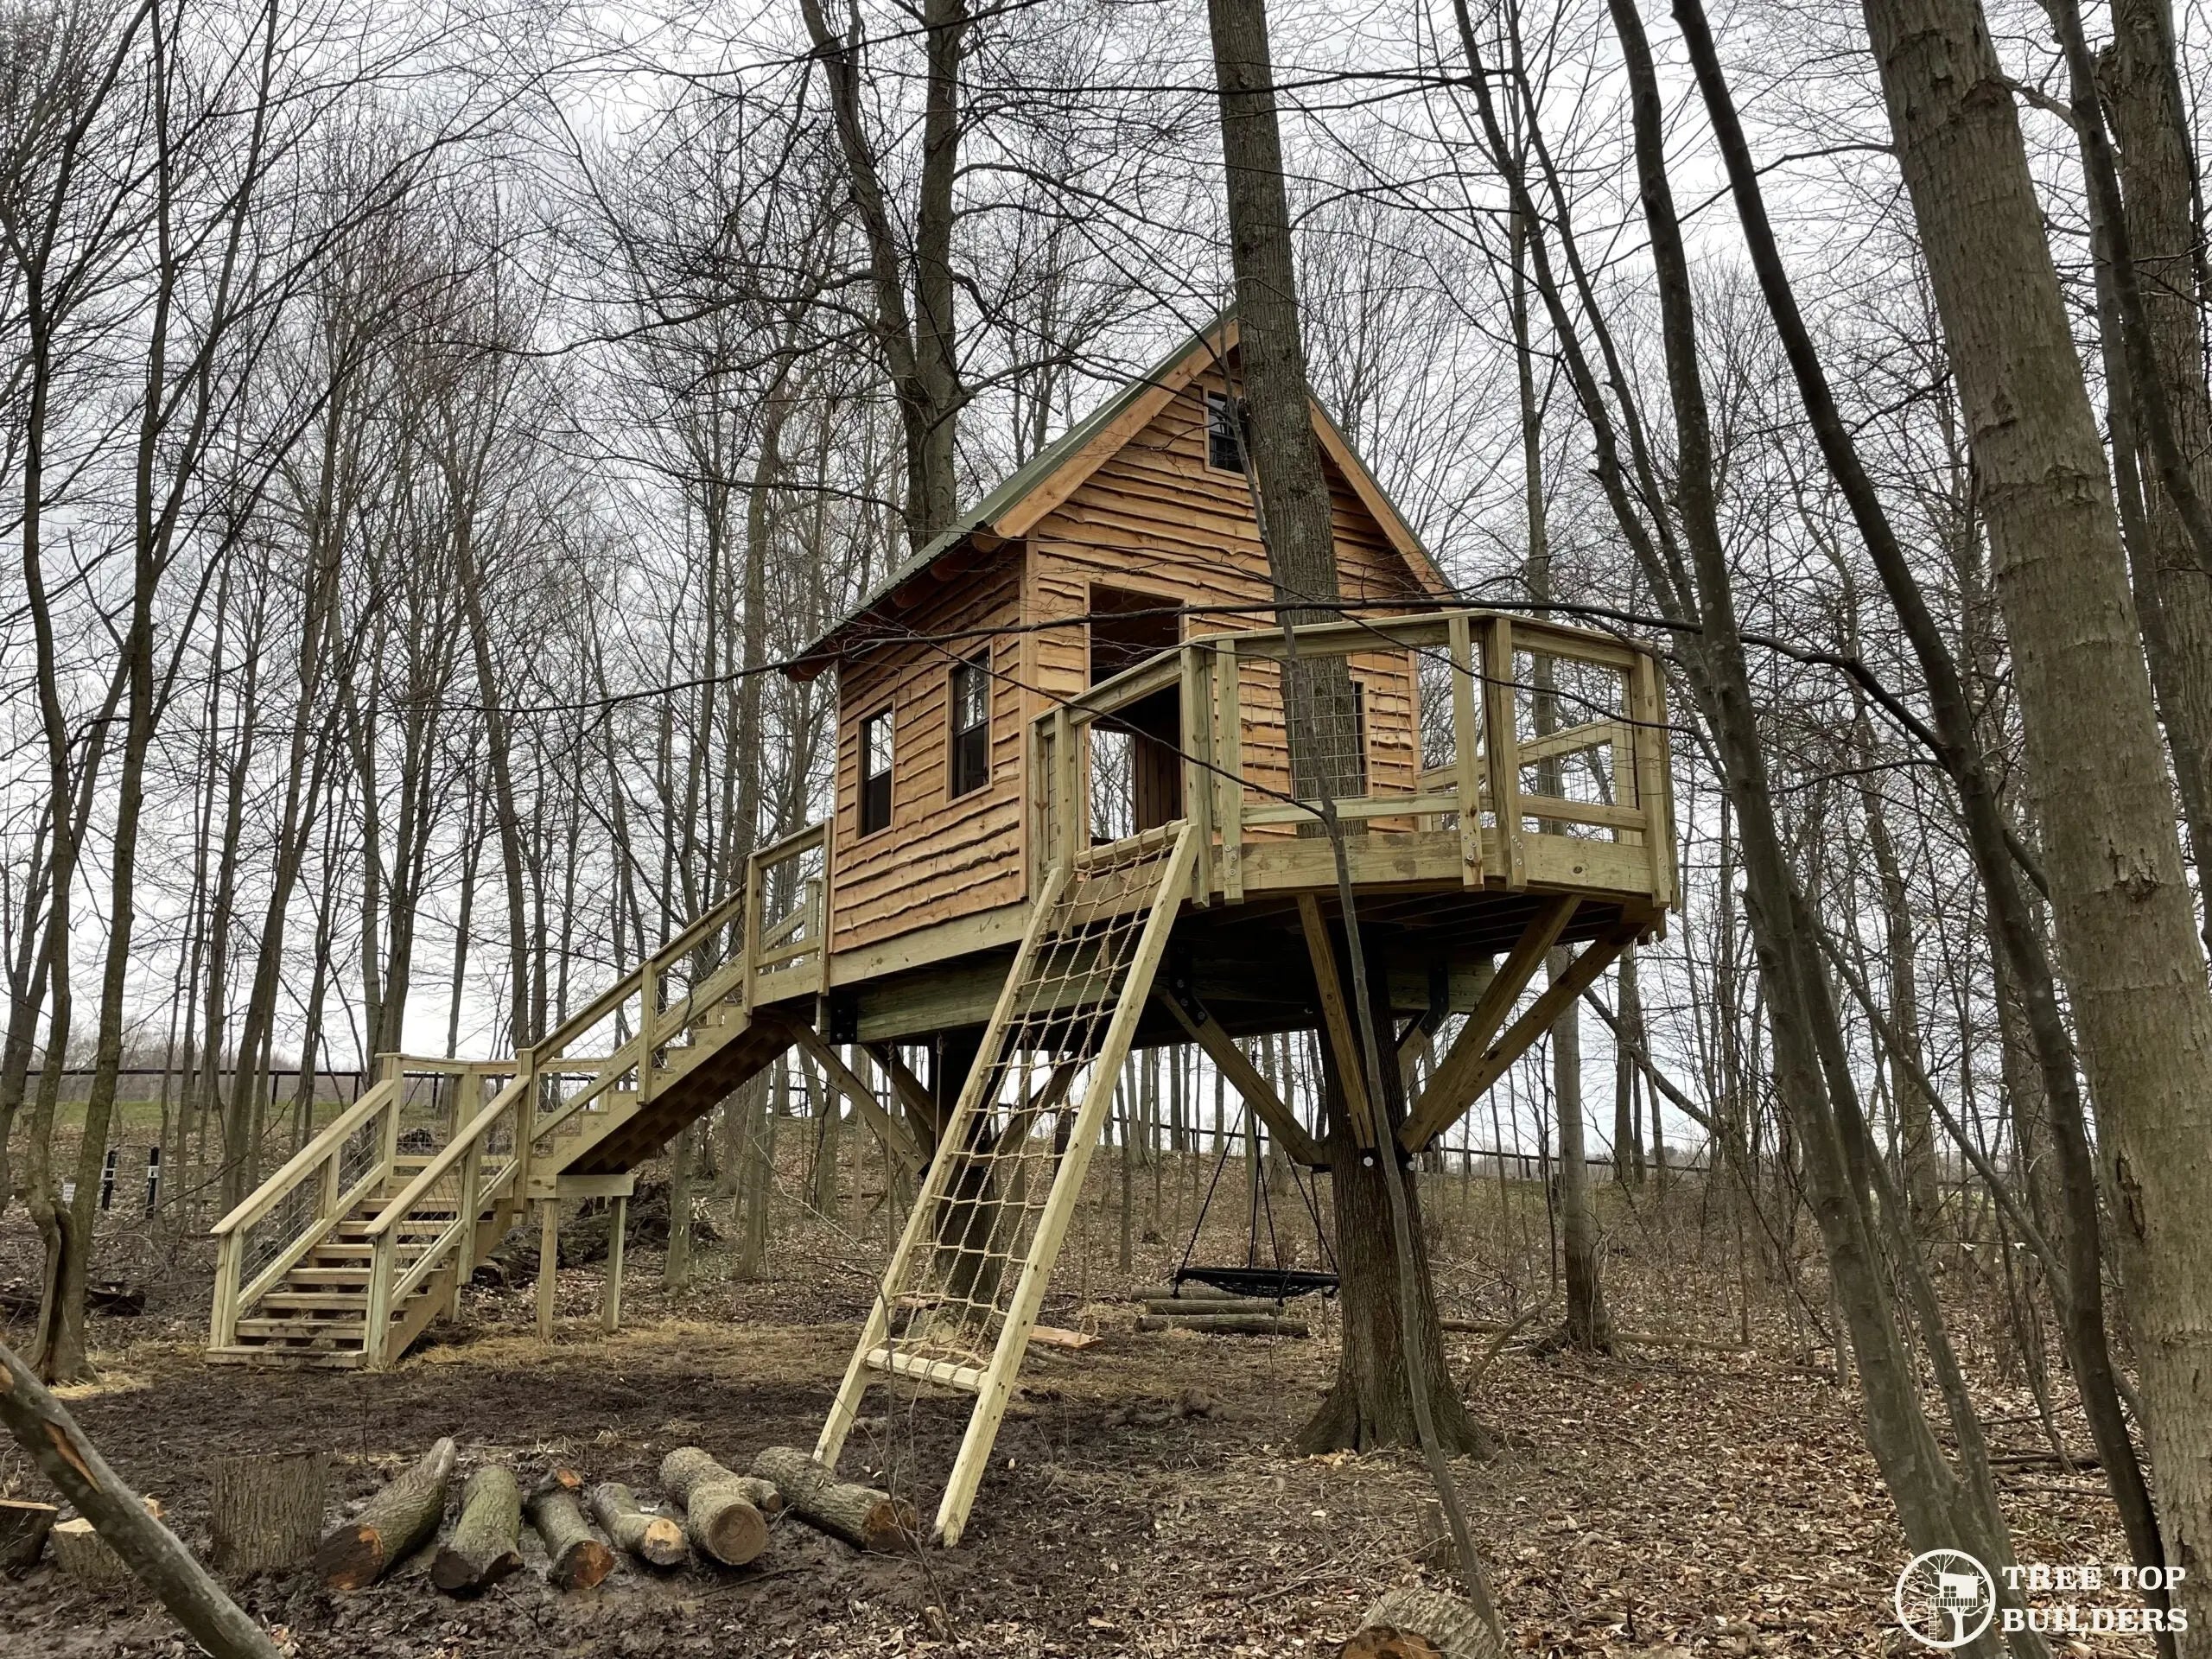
{"x": 1336, "y": 1018}
{"x": 913, "y": 1094}
{"x": 610, "y": 1311}
{"x": 1437, "y": 1113}
{"x": 549, "y": 1259}
{"x": 1268, "y": 1106}
{"x": 1449, "y": 1081}
{"x": 897, "y": 1139}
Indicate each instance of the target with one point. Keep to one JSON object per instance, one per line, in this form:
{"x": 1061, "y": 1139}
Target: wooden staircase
{"x": 346, "y": 1254}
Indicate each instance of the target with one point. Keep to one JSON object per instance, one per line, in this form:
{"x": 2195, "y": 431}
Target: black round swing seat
{"x": 1279, "y": 1283}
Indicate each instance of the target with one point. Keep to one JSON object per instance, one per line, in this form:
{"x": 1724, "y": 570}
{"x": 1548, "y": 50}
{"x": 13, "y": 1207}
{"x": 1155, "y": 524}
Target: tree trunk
{"x": 676, "y": 1268}
{"x": 44, "y": 1428}
{"x": 1587, "y": 1327}
{"x": 23, "y": 1528}
{"x": 2126, "y": 921}
{"x": 485, "y": 1545}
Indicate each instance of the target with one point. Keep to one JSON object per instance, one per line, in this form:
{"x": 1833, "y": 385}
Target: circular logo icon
{"x": 1945, "y": 1598}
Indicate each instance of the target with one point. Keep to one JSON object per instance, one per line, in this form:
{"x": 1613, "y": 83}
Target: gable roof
{"x": 1026, "y": 495}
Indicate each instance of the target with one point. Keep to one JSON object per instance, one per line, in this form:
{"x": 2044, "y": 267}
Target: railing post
{"x": 376, "y": 1332}
{"x": 388, "y": 1136}
{"x": 525, "y": 1130}
{"x": 1467, "y": 770}
{"x": 751, "y": 931}
{"x": 230, "y": 1259}
{"x": 1653, "y": 790}
{"x": 1502, "y": 738}
{"x": 1198, "y": 772}
{"x": 648, "y": 1020}
{"x": 1069, "y": 805}
{"x": 471, "y": 1202}
{"x": 1228, "y": 755}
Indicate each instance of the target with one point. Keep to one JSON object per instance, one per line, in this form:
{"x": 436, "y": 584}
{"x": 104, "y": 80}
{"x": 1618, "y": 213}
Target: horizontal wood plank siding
{"x": 940, "y": 858}
{"x": 1153, "y": 518}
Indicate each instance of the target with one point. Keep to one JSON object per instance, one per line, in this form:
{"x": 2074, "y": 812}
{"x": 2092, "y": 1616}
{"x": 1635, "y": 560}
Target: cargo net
{"x": 1004, "y": 1175}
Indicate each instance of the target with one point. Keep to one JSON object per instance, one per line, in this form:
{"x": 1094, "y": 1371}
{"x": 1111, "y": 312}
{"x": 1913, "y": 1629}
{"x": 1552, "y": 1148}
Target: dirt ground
{"x": 1665, "y": 1502}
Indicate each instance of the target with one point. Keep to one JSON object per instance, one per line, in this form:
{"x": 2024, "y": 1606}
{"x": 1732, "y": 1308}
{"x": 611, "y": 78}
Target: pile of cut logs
{"x": 1215, "y": 1312}
{"x": 266, "y": 1513}
{"x": 712, "y": 1512}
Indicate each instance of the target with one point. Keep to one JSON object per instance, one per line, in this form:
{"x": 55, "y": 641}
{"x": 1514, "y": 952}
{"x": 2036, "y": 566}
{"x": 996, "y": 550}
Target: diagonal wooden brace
{"x": 1435, "y": 1113}
{"x": 1449, "y": 1081}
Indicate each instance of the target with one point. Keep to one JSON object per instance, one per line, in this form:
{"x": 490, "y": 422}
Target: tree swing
{"x": 1278, "y": 1283}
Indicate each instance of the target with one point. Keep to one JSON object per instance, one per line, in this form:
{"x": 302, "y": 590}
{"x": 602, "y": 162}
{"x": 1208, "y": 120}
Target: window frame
{"x": 979, "y": 665}
{"x": 1220, "y": 403}
{"x": 885, "y": 714}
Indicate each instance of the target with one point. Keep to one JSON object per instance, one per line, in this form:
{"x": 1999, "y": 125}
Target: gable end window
{"x": 1224, "y": 452}
{"x": 971, "y": 724}
{"x": 875, "y": 771}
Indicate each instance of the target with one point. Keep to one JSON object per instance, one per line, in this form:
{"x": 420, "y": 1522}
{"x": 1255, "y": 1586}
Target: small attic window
{"x": 1224, "y": 452}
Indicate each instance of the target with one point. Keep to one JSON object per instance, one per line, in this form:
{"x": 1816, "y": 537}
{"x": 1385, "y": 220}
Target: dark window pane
{"x": 875, "y": 771}
{"x": 971, "y": 724}
{"x": 1222, "y": 447}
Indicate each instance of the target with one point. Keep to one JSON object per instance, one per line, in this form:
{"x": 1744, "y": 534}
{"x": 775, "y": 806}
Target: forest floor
{"x": 1664, "y": 1502}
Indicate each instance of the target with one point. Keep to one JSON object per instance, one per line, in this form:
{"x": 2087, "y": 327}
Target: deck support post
{"x": 610, "y": 1310}
{"x": 549, "y": 1259}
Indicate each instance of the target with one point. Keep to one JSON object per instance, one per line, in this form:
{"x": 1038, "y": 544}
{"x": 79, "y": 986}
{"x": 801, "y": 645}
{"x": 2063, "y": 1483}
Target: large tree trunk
{"x": 2157, "y": 176}
{"x": 2126, "y": 921}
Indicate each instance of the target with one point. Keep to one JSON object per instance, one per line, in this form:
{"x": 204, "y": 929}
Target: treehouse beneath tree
{"x": 1063, "y": 826}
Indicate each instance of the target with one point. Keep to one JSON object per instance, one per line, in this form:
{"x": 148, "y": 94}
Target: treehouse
{"x": 1064, "y": 826}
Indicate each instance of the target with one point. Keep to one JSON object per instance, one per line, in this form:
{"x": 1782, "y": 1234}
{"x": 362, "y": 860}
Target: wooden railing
{"x": 1514, "y": 736}
{"x": 770, "y": 934}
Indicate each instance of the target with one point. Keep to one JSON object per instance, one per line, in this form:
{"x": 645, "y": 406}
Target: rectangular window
{"x": 1223, "y": 451}
{"x": 875, "y": 772}
{"x": 971, "y": 724}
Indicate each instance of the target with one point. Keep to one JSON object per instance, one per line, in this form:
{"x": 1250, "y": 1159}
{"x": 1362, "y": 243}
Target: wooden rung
{"x": 941, "y": 1371}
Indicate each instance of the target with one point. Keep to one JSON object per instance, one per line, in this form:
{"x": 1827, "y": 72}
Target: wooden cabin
{"x": 1064, "y": 826}
{"x": 1131, "y": 538}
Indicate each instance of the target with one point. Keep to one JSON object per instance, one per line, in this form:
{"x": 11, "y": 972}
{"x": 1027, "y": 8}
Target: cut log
{"x": 575, "y": 1560}
{"x": 1211, "y": 1307}
{"x": 1190, "y": 1292}
{"x": 859, "y": 1514}
{"x": 391, "y": 1525}
{"x": 1417, "y": 1623}
{"x": 720, "y": 1514}
{"x": 264, "y": 1512}
{"x": 484, "y": 1547}
{"x": 1224, "y": 1325}
{"x": 23, "y": 1527}
{"x": 653, "y": 1539}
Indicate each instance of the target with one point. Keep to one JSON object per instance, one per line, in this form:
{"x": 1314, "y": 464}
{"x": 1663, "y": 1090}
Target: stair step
{"x": 303, "y": 1327}
{"x": 329, "y": 1275}
{"x": 334, "y": 1359}
{"x": 312, "y": 1302}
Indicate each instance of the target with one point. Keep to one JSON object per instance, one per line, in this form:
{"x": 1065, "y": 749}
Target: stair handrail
{"x": 318, "y": 1157}
{"x": 388, "y": 1287}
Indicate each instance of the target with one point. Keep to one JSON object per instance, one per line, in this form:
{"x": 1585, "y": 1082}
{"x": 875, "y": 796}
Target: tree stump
{"x": 654, "y": 1539}
{"x": 859, "y": 1514}
{"x": 722, "y": 1514}
{"x": 395, "y": 1522}
{"x": 23, "y": 1528}
{"x": 85, "y": 1558}
{"x": 574, "y": 1559}
{"x": 265, "y": 1513}
{"x": 1413, "y": 1622}
{"x": 483, "y": 1548}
